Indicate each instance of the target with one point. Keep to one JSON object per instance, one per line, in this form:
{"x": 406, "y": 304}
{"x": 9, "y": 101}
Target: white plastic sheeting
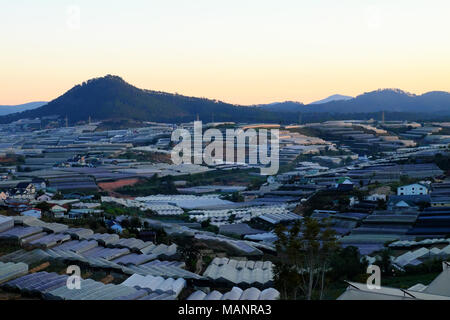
{"x": 78, "y": 246}
{"x": 28, "y": 257}
{"x": 104, "y": 238}
{"x": 18, "y": 233}
{"x": 416, "y": 257}
{"x": 165, "y": 209}
{"x": 35, "y": 222}
{"x": 54, "y": 286}
{"x": 49, "y": 241}
{"x": 169, "y": 204}
{"x": 156, "y": 284}
{"x": 11, "y": 270}
{"x": 6, "y": 223}
{"x": 240, "y": 272}
{"x": 170, "y": 269}
{"x": 411, "y": 243}
{"x": 237, "y": 294}
{"x": 185, "y": 201}
{"x": 239, "y": 246}
{"x": 79, "y": 233}
{"x": 91, "y": 290}
{"x": 37, "y": 283}
{"x": 221, "y": 217}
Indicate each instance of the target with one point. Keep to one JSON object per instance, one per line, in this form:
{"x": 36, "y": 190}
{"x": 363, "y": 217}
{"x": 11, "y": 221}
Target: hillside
{"x": 4, "y": 110}
{"x": 287, "y": 106}
{"x": 111, "y": 97}
{"x": 334, "y": 97}
{"x": 392, "y": 100}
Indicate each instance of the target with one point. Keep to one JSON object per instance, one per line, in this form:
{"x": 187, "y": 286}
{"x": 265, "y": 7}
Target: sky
{"x": 238, "y": 51}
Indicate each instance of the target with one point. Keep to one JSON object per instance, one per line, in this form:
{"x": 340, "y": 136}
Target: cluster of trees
{"x": 235, "y": 197}
{"x": 309, "y": 258}
{"x": 304, "y": 252}
{"x": 151, "y": 186}
{"x": 443, "y": 161}
{"x": 207, "y": 226}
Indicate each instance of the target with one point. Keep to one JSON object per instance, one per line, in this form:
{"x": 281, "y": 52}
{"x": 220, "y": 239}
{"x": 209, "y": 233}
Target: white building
{"x": 58, "y": 211}
{"x": 412, "y": 190}
{"x": 44, "y": 198}
{"x": 376, "y": 197}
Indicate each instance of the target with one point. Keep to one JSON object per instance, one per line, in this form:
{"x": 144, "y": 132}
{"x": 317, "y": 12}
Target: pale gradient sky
{"x": 239, "y": 51}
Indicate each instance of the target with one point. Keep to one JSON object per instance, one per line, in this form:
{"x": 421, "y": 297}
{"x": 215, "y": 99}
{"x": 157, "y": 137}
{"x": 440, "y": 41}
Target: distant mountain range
{"x": 287, "y": 106}
{"x": 111, "y": 97}
{"x": 294, "y": 106}
{"x": 4, "y": 110}
{"x": 334, "y": 97}
{"x": 392, "y": 100}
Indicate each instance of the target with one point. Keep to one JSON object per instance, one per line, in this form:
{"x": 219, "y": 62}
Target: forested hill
{"x": 111, "y": 97}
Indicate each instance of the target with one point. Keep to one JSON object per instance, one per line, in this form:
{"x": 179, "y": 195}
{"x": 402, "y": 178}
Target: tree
{"x": 125, "y": 223}
{"x": 44, "y": 206}
{"x": 347, "y": 264}
{"x": 191, "y": 254}
{"x": 304, "y": 251}
{"x": 381, "y": 204}
{"x": 343, "y": 204}
{"x": 237, "y": 197}
{"x": 384, "y": 261}
{"x": 135, "y": 222}
{"x": 231, "y": 219}
{"x": 205, "y": 224}
{"x": 58, "y": 196}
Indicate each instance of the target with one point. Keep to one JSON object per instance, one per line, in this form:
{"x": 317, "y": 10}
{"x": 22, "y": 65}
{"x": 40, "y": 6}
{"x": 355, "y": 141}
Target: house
{"x": 73, "y": 214}
{"x": 34, "y": 212}
{"x": 375, "y": 197}
{"x": 344, "y": 184}
{"x": 45, "y": 197}
{"x": 24, "y": 191}
{"x": 58, "y": 211}
{"x": 413, "y": 202}
{"x": 117, "y": 228}
{"x": 403, "y": 204}
{"x": 353, "y": 201}
{"x": 25, "y": 188}
{"x": 4, "y": 196}
{"x": 412, "y": 189}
